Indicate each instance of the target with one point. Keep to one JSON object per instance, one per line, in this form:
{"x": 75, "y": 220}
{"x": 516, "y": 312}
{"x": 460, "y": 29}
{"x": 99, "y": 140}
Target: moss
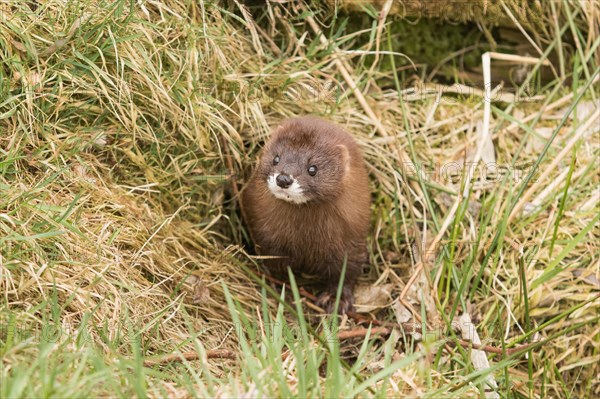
{"x": 425, "y": 41}
{"x": 429, "y": 42}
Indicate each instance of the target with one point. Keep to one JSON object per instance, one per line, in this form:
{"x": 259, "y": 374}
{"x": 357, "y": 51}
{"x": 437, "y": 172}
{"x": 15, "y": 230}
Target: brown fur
{"x": 314, "y": 237}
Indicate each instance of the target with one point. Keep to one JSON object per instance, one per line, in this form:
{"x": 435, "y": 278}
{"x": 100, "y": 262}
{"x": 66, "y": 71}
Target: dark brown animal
{"x": 308, "y": 202}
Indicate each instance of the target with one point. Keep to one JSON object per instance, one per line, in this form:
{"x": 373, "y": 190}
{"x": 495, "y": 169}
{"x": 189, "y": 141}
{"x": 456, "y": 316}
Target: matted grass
{"x": 121, "y": 241}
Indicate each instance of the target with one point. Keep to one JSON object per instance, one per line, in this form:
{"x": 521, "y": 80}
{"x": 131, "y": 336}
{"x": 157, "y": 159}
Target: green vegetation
{"x": 125, "y": 125}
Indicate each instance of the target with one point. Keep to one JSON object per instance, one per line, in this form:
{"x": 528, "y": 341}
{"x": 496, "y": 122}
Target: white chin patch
{"x": 291, "y": 194}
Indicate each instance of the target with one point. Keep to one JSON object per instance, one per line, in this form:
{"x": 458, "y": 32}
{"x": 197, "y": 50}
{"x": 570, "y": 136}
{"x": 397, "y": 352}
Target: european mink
{"x": 308, "y": 202}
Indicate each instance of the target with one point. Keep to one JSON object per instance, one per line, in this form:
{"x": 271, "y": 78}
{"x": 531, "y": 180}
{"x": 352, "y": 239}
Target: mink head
{"x": 304, "y": 162}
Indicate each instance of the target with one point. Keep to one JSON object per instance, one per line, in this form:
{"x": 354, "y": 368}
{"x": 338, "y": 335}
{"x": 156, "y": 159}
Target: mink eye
{"x": 312, "y": 170}
{"x": 276, "y": 160}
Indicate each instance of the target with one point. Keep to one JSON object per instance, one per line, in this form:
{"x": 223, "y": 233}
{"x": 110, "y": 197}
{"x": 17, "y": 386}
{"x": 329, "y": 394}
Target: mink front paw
{"x": 327, "y": 300}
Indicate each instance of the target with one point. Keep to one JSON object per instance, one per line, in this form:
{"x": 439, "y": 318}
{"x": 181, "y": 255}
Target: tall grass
{"x": 125, "y": 125}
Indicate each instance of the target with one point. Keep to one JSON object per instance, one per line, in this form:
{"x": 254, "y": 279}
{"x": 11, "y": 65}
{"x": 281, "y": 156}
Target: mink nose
{"x": 284, "y": 181}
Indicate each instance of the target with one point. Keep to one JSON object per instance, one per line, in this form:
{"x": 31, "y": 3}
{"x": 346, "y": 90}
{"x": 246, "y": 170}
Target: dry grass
{"x": 118, "y": 228}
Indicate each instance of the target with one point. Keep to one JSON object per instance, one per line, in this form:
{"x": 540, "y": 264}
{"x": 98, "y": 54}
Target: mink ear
{"x": 345, "y": 157}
